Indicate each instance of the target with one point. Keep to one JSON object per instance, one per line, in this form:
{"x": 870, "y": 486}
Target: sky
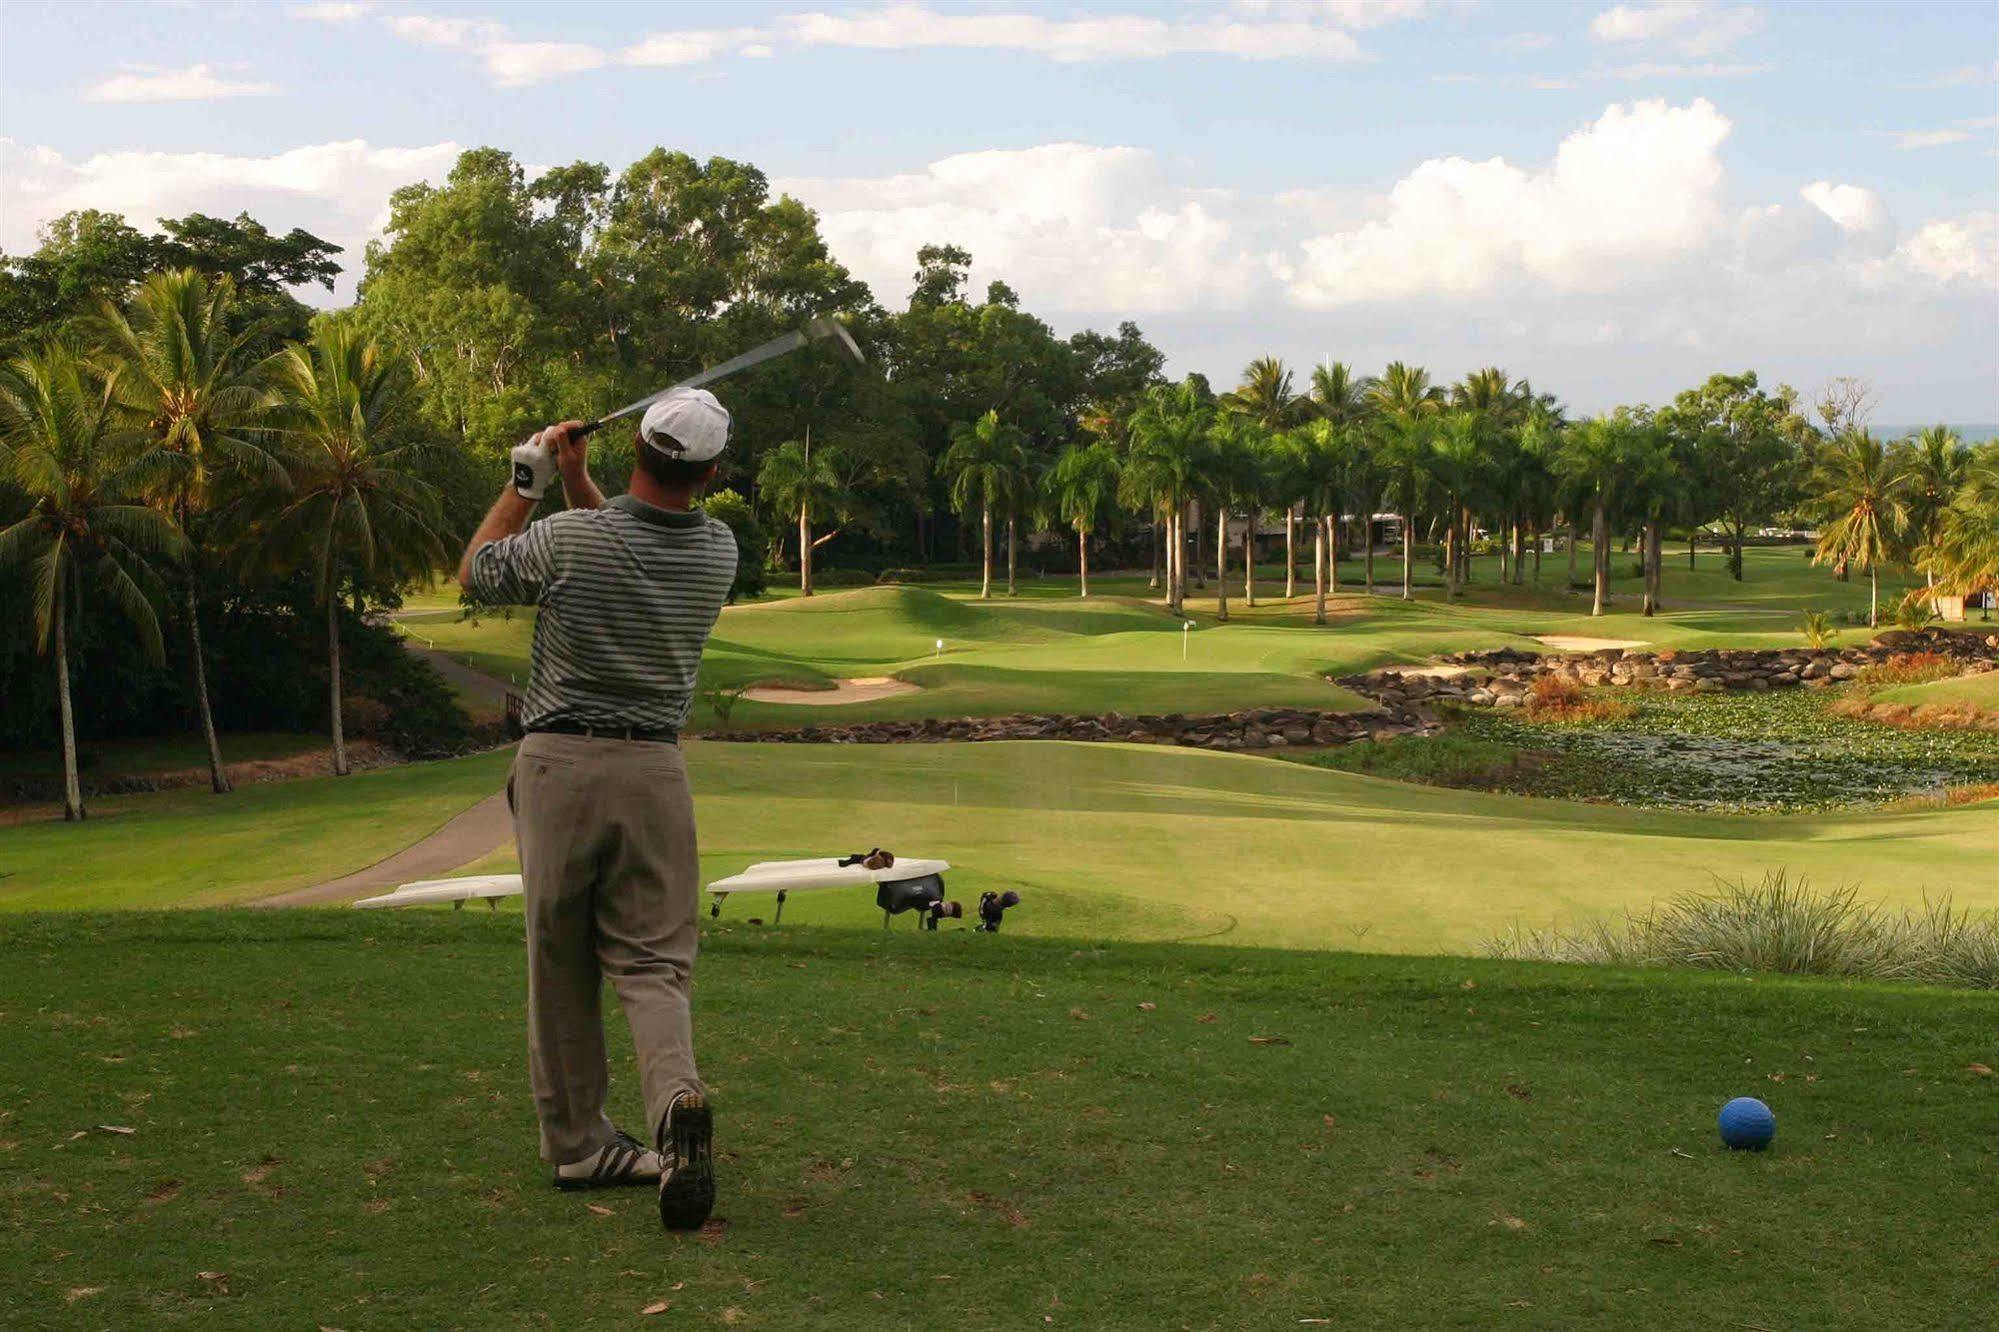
{"x": 1613, "y": 200}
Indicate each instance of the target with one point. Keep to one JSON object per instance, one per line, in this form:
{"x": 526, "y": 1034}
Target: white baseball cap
{"x": 688, "y": 424}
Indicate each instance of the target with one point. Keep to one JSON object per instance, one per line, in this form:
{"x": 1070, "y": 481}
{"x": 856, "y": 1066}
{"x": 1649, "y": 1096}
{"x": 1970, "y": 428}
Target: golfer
{"x": 626, "y": 591}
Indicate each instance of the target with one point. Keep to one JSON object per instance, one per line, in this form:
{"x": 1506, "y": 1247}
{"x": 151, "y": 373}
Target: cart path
{"x": 485, "y": 827}
{"x": 464, "y": 838}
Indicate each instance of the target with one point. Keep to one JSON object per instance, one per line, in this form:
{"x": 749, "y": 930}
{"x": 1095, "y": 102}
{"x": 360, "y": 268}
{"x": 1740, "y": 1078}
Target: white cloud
{"x": 1658, "y": 69}
{"x": 692, "y": 46}
{"x": 1691, "y": 27}
{"x": 1527, "y": 41}
{"x": 332, "y": 11}
{"x": 338, "y": 191}
{"x": 427, "y": 30}
{"x": 1962, "y": 249}
{"x": 1640, "y": 184}
{"x": 518, "y": 64}
{"x": 1102, "y": 37}
{"x": 196, "y": 83}
{"x": 1963, "y": 131}
{"x": 1852, "y": 208}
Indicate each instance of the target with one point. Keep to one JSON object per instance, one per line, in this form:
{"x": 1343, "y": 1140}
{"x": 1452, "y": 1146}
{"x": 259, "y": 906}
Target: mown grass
{"x": 329, "y": 1126}
{"x": 1784, "y": 926}
{"x": 1101, "y": 840}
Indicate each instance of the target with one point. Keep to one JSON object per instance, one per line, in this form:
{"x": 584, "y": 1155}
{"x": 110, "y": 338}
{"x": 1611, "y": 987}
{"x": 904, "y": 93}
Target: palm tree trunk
{"x": 1873, "y": 595}
{"x": 1319, "y": 574}
{"x": 1200, "y": 572}
{"x": 1367, "y": 540}
{"x": 72, "y": 787}
{"x": 217, "y": 782}
{"x": 1451, "y": 551}
{"x": 1012, "y": 554}
{"x": 1221, "y": 564}
{"x": 1176, "y": 554}
{"x": 1290, "y": 551}
{"x": 1600, "y": 558}
{"x": 1158, "y": 554}
{"x": 1408, "y": 553}
{"x": 986, "y": 555}
{"x": 1249, "y": 558}
{"x": 1329, "y": 526}
{"x": 333, "y": 677}
{"x": 1648, "y": 557}
{"x": 804, "y": 551}
{"x": 1571, "y": 525}
{"x": 1083, "y": 559}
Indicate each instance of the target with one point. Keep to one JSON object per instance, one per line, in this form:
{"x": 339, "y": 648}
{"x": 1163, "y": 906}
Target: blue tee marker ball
{"x": 1746, "y": 1124}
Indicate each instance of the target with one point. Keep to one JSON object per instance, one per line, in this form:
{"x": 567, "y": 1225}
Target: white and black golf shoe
{"x": 620, "y": 1163}
{"x": 687, "y": 1144}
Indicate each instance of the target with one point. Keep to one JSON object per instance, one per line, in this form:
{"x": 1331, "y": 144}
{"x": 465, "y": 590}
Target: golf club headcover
{"x": 534, "y": 467}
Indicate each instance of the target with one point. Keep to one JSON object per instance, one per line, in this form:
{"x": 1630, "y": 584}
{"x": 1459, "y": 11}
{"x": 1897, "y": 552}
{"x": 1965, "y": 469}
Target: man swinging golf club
{"x": 626, "y": 593}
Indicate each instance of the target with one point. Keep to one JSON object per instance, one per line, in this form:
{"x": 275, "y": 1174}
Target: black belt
{"x": 664, "y": 734}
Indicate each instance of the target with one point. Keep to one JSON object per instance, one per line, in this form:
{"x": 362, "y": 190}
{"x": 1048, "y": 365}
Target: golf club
{"x": 819, "y": 328}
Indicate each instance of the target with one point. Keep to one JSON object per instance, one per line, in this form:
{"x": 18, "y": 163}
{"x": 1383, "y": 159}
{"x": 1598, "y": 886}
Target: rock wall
{"x": 1262, "y": 728}
{"x": 1502, "y": 677}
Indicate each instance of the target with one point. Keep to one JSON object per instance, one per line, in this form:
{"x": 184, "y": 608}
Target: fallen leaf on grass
{"x": 599, "y": 1211}
{"x": 657, "y": 1307}
{"x": 261, "y": 1171}
{"x": 1079, "y": 1015}
{"x": 1981, "y": 1070}
{"x": 119, "y": 1129}
{"x": 166, "y": 1192}
{"x": 1510, "y": 1222}
{"x": 1205, "y": 1017}
{"x": 1518, "y": 1092}
{"x": 712, "y": 1228}
{"x": 1270, "y": 1040}
{"x": 76, "y": 1293}
{"x": 1469, "y": 985}
{"x": 1666, "y": 1241}
{"x": 218, "y": 1281}
{"x": 1147, "y": 1006}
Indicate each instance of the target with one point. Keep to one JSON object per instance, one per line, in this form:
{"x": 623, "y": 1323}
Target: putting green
{"x": 1107, "y": 841}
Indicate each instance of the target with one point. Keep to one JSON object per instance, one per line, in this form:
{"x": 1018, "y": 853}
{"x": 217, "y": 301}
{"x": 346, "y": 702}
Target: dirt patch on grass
{"x": 1585, "y": 643}
{"x": 861, "y": 689}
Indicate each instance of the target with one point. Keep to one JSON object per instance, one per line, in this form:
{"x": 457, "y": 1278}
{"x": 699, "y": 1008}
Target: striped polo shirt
{"x": 625, "y": 596}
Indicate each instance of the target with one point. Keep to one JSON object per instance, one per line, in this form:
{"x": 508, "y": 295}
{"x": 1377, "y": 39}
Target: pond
{"x": 1783, "y": 750}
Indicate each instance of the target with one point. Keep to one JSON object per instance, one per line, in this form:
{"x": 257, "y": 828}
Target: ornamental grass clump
{"x": 1781, "y": 925}
{"x": 1905, "y": 668}
{"x": 1553, "y": 699}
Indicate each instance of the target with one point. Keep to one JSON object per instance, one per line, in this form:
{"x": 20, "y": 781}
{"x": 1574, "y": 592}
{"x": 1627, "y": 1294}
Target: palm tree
{"x": 1082, "y": 489}
{"x": 1231, "y": 477}
{"x": 1861, "y": 485}
{"x": 1593, "y": 461}
{"x": 1339, "y": 395}
{"x": 984, "y": 463}
{"x": 1406, "y": 401}
{"x": 1456, "y": 464}
{"x": 798, "y": 479}
{"x": 1324, "y": 455}
{"x": 87, "y": 522}
{"x": 1168, "y": 435}
{"x": 195, "y": 405}
{"x": 1265, "y": 397}
{"x": 1936, "y": 466}
{"x": 1962, "y": 558}
{"x": 356, "y": 510}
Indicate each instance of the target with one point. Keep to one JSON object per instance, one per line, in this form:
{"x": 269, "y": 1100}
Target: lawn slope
{"x": 329, "y": 1126}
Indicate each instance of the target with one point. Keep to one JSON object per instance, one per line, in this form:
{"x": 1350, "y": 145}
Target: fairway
{"x": 1103, "y": 841}
{"x": 329, "y": 1126}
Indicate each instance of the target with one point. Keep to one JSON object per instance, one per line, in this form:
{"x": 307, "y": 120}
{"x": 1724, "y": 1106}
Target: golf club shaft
{"x": 778, "y": 346}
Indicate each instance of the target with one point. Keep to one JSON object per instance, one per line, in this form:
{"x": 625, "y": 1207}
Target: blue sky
{"x": 1615, "y": 199}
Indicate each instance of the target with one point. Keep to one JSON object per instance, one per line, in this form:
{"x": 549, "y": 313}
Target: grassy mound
{"x": 323, "y": 1120}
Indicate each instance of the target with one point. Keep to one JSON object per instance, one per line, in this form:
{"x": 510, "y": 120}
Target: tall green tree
{"x": 1862, "y": 490}
{"x": 355, "y": 509}
{"x": 1407, "y": 403}
{"x": 1169, "y": 434}
{"x": 1231, "y": 479}
{"x": 1747, "y": 451}
{"x": 1324, "y": 459}
{"x": 1937, "y": 465}
{"x": 798, "y": 479}
{"x": 87, "y": 526}
{"x": 194, "y": 407}
{"x": 1456, "y": 464}
{"x": 1595, "y": 460}
{"x": 1266, "y": 397}
{"x": 1082, "y": 491}
{"x": 985, "y": 465}
{"x": 1961, "y": 557}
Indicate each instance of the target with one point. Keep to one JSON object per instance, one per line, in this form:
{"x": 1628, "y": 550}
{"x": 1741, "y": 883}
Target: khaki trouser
{"x": 609, "y": 869}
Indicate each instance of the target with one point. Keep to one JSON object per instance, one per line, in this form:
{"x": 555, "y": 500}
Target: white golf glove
{"x": 534, "y": 467}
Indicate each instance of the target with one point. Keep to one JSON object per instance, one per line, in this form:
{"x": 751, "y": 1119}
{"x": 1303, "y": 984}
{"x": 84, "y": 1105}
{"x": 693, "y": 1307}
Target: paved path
{"x": 485, "y": 827}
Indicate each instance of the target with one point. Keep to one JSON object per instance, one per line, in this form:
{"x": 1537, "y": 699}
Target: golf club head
{"x": 828, "y": 328}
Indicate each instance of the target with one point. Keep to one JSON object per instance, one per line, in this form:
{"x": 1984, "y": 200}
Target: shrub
{"x": 1909, "y": 668}
{"x": 1781, "y": 925}
{"x": 752, "y": 578}
{"x": 1818, "y": 629}
{"x": 842, "y": 578}
{"x": 1914, "y": 612}
{"x": 1553, "y": 699}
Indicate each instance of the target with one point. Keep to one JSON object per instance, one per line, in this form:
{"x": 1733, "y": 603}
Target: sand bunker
{"x": 862, "y": 689}
{"x": 1584, "y": 643}
{"x": 1429, "y": 672}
